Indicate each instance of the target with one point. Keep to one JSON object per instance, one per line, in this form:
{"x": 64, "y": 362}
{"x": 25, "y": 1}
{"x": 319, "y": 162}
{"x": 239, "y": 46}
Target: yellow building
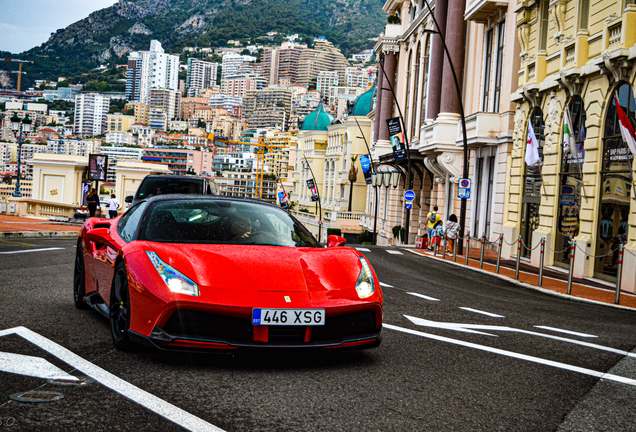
{"x": 119, "y": 122}
{"x": 575, "y": 58}
{"x": 141, "y": 112}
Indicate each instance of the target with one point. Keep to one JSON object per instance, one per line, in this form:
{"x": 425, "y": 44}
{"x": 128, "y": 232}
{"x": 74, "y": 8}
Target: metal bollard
{"x": 572, "y": 255}
{"x": 619, "y": 274}
{"x": 467, "y": 247}
{"x": 455, "y": 241}
{"x": 518, "y": 258}
{"x": 444, "y": 247}
{"x": 541, "y": 258}
{"x": 435, "y": 245}
{"x": 499, "y": 252}
{"x": 481, "y": 254}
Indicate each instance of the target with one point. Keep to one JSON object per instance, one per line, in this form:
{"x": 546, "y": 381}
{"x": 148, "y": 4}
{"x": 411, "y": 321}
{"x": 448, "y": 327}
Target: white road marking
{"x": 153, "y": 403}
{"x": 559, "y": 365}
{"x": 363, "y": 249}
{"x": 423, "y": 296}
{"x": 31, "y": 366}
{"x": 392, "y": 252}
{"x": 566, "y": 331}
{"x": 30, "y": 250}
{"x": 386, "y": 285}
{"x": 472, "y": 328}
{"x": 482, "y": 312}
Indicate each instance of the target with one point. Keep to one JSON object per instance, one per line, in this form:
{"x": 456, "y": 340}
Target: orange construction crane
{"x": 19, "y": 71}
{"x": 264, "y": 146}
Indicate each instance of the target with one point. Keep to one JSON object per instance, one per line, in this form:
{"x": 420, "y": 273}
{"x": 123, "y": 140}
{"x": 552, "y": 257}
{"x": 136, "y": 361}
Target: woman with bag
{"x": 93, "y": 203}
{"x": 452, "y": 228}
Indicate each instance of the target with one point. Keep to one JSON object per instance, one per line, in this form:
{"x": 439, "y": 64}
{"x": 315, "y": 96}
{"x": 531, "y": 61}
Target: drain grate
{"x": 81, "y": 381}
{"x": 36, "y": 396}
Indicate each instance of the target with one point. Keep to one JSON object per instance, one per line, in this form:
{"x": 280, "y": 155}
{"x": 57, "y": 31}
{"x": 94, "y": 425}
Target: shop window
{"x": 616, "y": 185}
{"x": 532, "y": 185}
{"x": 571, "y": 178}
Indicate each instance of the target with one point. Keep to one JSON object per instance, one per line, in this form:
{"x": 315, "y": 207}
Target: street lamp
{"x": 462, "y": 209}
{"x": 395, "y": 178}
{"x": 376, "y": 179}
{"x": 18, "y": 126}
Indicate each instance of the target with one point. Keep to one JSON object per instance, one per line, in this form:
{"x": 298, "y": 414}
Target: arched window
{"x": 616, "y": 183}
{"x": 425, "y": 80}
{"x": 416, "y": 86}
{"x": 571, "y": 178}
{"x": 407, "y": 95}
{"x": 532, "y": 184}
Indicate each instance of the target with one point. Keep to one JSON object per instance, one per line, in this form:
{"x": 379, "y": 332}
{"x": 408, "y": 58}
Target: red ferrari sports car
{"x": 207, "y": 272}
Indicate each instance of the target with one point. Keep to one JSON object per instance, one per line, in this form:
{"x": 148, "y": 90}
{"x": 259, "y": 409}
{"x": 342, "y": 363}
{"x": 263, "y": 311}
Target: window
{"x": 425, "y": 81}
{"x": 584, "y": 14}
{"x": 543, "y": 29}
{"x": 501, "y": 28}
{"x": 129, "y": 222}
{"x": 416, "y": 78}
{"x": 487, "y": 66}
{"x": 407, "y": 96}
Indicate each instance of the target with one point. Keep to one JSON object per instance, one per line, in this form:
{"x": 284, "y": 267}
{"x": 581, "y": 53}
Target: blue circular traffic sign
{"x": 409, "y": 195}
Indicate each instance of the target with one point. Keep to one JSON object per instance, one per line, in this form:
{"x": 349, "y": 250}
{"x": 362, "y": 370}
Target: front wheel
{"x": 79, "y": 278}
{"x": 120, "y": 308}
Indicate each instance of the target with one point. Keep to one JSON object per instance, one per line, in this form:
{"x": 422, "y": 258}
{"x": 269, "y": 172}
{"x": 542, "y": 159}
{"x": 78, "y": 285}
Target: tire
{"x": 79, "y": 278}
{"x": 119, "y": 315}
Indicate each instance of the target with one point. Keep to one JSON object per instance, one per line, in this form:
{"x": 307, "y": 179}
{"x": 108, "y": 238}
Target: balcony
{"x": 480, "y": 10}
{"x": 483, "y": 128}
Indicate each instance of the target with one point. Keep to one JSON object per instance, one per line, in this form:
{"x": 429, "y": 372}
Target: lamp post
{"x": 462, "y": 210}
{"x": 18, "y": 126}
{"x": 376, "y": 179}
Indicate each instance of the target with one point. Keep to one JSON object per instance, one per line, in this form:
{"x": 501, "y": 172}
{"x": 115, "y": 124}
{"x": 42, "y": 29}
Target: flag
{"x": 532, "y": 147}
{"x": 627, "y": 131}
{"x": 569, "y": 145}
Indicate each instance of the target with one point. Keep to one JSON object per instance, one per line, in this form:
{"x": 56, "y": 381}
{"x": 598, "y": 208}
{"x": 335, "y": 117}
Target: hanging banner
{"x": 365, "y": 162}
{"x": 397, "y": 138}
{"x": 314, "y": 190}
{"x": 97, "y": 167}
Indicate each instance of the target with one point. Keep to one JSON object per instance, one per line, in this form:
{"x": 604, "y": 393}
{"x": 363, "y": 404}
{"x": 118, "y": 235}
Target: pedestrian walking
{"x": 92, "y": 202}
{"x": 452, "y": 228}
{"x": 113, "y": 206}
{"x": 432, "y": 218}
{"x": 438, "y": 233}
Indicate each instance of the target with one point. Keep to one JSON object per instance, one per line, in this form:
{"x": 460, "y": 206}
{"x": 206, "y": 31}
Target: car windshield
{"x": 163, "y": 186}
{"x": 224, "y": 222}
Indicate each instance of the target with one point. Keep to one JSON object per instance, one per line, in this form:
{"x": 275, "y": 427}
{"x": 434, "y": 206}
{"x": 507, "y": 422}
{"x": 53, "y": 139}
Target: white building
{"x": 232, "y": 62}
{"x": 119, "y": 152}
{"x": 73, "y": 147}
{"x": 201, "y": 75}
{"x": 119, "y": 138}
{"x": 224, "y": 101}
{"x": 325, "y": 81}
{"x": 155, "y": 70}
{"x": 359, "y": 77}
{"x": 90, "y": 114}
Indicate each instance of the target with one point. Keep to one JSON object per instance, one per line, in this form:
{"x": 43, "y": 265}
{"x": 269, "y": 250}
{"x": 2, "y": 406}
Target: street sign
{"x": 408, "y": 205}
{"x": 409, "y": 195}
{"x": 463, "y": 191}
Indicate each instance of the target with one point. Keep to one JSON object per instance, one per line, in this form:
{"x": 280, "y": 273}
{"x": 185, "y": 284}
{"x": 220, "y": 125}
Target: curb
{"x": 27, "y": 234}
{"x": 527, "y": 285}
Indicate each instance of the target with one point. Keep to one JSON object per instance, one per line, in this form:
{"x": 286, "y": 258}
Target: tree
{"x": 353, "y": 177}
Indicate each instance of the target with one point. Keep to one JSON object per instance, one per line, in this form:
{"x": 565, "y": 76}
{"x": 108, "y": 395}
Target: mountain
{"x": 108, "y": 35}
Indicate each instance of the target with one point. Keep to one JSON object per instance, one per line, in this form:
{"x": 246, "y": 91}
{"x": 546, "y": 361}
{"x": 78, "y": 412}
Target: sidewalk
{"x": 554, "y": 280}
{"x": 14, "y": 226}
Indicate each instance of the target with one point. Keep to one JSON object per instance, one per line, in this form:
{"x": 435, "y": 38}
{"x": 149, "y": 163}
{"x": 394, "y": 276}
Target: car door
{"x": 119, "y": 235}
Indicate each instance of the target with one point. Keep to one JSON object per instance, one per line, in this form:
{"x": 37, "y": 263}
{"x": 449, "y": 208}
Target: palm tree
{"x": 353, "y": 177}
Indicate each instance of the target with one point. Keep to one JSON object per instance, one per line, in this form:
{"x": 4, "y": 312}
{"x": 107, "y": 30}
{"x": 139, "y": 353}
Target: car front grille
{"x": 202, "y": 325}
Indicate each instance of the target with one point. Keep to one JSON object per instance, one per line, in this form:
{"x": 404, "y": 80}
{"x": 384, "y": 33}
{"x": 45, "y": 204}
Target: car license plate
{"x": 290, "y": 317}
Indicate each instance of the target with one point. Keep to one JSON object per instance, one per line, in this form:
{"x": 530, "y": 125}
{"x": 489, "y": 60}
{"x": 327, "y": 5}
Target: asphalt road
{"x": 453, "y": 369}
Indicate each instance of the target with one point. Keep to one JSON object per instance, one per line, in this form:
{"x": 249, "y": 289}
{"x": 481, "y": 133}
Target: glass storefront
{"x": 532, "y": 185}
{"x": 571, "y": 181}
{"x": 616, "y": 186}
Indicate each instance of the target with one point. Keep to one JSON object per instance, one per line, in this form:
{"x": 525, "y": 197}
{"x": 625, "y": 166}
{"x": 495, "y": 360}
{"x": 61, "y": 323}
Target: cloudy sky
{"x": 25, "y": 24}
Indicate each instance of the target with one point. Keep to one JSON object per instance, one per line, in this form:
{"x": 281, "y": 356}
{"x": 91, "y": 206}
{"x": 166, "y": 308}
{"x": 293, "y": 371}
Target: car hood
{"x": 264, "y": 269}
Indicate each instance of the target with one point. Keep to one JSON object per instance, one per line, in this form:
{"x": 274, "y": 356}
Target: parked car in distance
{"x": 153, "y": 185}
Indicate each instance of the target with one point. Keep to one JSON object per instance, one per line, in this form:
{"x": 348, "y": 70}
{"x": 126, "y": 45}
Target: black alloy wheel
{"x": 79, "y": 278}
{"x": 120, "y": 308}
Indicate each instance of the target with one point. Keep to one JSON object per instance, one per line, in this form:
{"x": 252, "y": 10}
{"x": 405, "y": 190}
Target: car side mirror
{"x": 128, "y": 199}
{"x": 335, "y": 241}
{"x": 99, "y": 235}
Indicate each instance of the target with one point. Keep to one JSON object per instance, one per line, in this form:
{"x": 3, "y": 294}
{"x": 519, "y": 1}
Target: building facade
{"x": 91, "y": 111}
{"x": 201, "y": 75}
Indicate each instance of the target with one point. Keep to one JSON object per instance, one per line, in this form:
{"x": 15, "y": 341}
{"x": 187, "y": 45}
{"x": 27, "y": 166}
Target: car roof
{"x": 174, "y": 176}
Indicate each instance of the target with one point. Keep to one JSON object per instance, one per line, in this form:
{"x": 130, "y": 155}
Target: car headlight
{"x": 365, "y": 285}
{"x": 176, "y": 281}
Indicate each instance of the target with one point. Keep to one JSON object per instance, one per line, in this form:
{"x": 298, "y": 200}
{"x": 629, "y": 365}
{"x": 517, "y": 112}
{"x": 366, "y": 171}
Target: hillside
{"x": 108, "y": 35}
